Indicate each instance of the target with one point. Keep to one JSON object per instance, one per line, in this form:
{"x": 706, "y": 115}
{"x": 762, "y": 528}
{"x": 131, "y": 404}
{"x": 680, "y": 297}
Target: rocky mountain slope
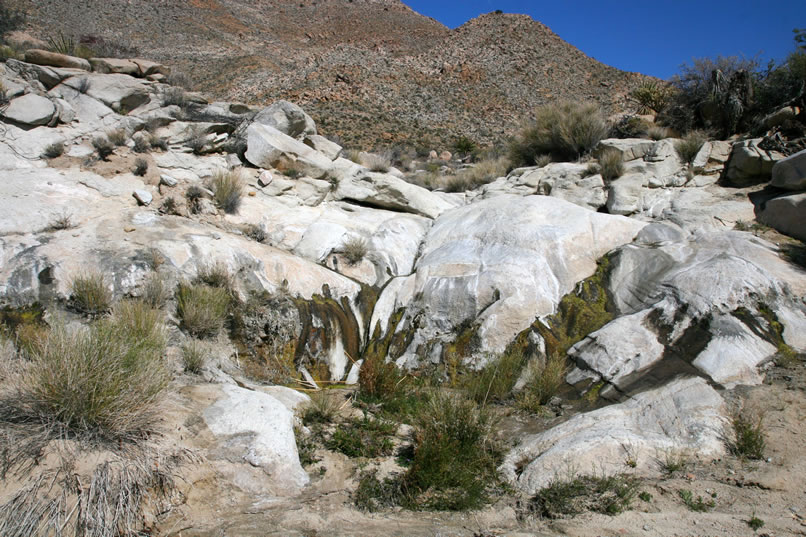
{"x": 372, "y": 72}
{"x": 669, "y": 306}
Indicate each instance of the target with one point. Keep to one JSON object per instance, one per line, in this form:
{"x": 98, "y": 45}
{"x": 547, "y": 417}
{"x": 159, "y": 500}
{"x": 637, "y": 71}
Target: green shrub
{"x": 372, "y": 494}
{"x": 194, "y": 356}
{"x": 698, "y": 504}
{"x": 455, "y": 457}
{"x": 464, "y": 146}
{"x": 495, "y": 381}
{"x": 354, "y": 249}
{"x": 363, "y": 437}
{"x": 227, "y": 187}
{"x": 611, "y": 165}
{"x": 9, "y": 53}
{"x": 103, "y": 146}
{"x": 609, "y": 495}
{"x": 671, "y": 461}
{"x": 140, "y": 167}
{"x": 748, "y": 434}
{"x": 90, "y": 294}
{"x": 102, "y": 381}
{"x": 652, "y": 96}
{"x": 202, "y": 309}
{"x": 118, "y": 136}
{"x": 54, "y": 150}
{"x": 378, "y": 380}
{"x": 688, "y": 147}
{"x": 755, "y": 523}
{"x": 564, "y": 130}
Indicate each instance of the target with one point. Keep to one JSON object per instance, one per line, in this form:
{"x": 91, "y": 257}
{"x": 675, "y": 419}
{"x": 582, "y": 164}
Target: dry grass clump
{"x": 197, "y": 142}
{"x": 90, "y": 294}
{"x": 54, "y": 150}
{"x": 544, "y": 383}
{"x": 375, "y": 163}
{"x": 60, "y": 221}
{"x": 656, "y": 132}
{"x": 141, "y": 143}
{"x": 119, "y": 137}
{"x": 158, "y": 142}
{"x": 194, "y": 356}
{"x": 688, "y": 147}
{"x": 480, "y": 174}
{"x": 100, "y": 381}
{"x": 565, "y": 130}
{"x": 202, "y": 309}
{"x": 103, "y": 147}
{"x": 227, "y": 187}
{"x": 140, "y": 167}
{"x": 156, "y": 291}
{"x": 174, "y": 96}
{"x": 354, "y": 249}
{"x": 611, "y": 165}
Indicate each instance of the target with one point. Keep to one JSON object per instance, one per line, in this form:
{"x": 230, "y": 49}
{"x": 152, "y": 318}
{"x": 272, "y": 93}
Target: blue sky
{"x": 650, "y": 37}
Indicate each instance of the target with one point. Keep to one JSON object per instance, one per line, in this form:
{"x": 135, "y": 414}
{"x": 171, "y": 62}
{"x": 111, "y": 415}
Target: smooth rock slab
{"x": 787, "y": 214}
{"x": 30, "y": 109}
{"x": 790, "y": 173}
{"x": 54, "y": 59}
{"x": 143, "y": 197}
{"x": 686, "y": 415}
{"x": 256, "y": 428}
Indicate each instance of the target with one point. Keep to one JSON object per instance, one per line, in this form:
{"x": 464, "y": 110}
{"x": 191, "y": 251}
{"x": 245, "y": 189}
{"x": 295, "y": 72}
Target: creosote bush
{"x": 102, "y": 381}
{"x": 688, "y": 147}
{"x": 354, "y": 249}
{"x": 227, "y": 187}
{"x": 90, "y": 294}
{"x": 564, "y": 130}
{"x": 202, "y": 309}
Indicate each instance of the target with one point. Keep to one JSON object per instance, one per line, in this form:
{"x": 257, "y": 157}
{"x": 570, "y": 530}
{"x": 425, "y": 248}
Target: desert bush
{"x": 119, "y": 137}
{"x": 194, "y": 194}
{"x": 378, "y": 380}
{"x": 197, "y": 142}
{"x": 103, "y": 147}
{"x": 652, "y": 96}
{"x": 544, "y": 383}
{"x": 254, "y": 232}
{"x": 202, "y": 309}
{"x": 180, "y": 79}
{"x": 628, "y": 127}
{"x": 609, "y": 495}
{"x": 90, "y": 294}
{"x": 156, "y": 291}
{"x": 376, "y": 163}
{"x": 747, "y": 439}
{"x": 564, "y": 130}
{"x": 672, "y": 461}
{"x": 227, "y": 187}
{"x": 158, "y": 142}
{"x": 10, "y": 19}
{"x": 354, "y": 249}
{"x": 142, "y": 144}
{"x": 363, "y": 437}
{"x": 169, "y": 206}
{"x": 194, "y": 356}
{"x": 9, "y": 53}
{"x": 455, "y": 457}
{"x": 60, "y": 221}
{"x": 688, "y": 147}
{"x": 102, "y": 381}
{"x": 140, "y": 167}
{"x": 698, "y": 503}
{"x": 174, "y": 96}
{"x": 54, "y": 150}
{"x": 611, "y": 165}
{"x": 656, "y": 132}
{"x": 464, "y": 146}
{"x": 494, "y": 382}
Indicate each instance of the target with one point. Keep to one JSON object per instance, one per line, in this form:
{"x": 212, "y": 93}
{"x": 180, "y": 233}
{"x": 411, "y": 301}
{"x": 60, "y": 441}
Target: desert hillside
{"x": 374, "y": 73}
